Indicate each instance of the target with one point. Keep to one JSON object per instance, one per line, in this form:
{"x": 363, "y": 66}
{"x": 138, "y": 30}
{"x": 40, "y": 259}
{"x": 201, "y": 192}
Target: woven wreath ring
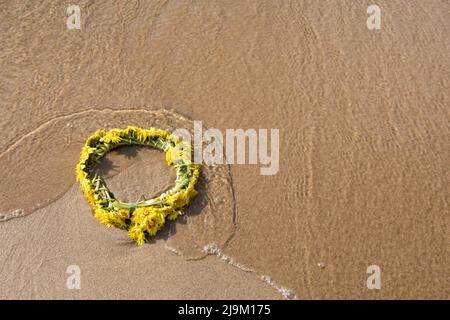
{"x": 143, "y": 217}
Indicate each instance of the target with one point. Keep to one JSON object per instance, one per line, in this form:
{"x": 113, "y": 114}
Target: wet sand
{"x": 363, "y": 118}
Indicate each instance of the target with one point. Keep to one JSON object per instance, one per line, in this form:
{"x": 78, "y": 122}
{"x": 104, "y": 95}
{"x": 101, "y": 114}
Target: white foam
{"x": 213, "y": 249}
{"x": 11, "y": 214}
{"x": 285, "y": 292}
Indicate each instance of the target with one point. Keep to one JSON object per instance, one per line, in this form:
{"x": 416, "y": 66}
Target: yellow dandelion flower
{"x": 102, "y": 215}
{"x": 92, "y": 140}
{"x": 152, "y": 132}
{"x": 178, "y": 200}
{"x": 90, "y": 195}
{"x": 111, "y": 137}
{"x": 175, "y": 214}
{"x": 169, "y": 156}
{"x": 81, "y": 174}
{"x": 110, "y": 218}
{"x": 142, "y": 135}
{"x": 130, "y": 130}
{"x": 124, "y": 213}
{"x": 137, "y": 234}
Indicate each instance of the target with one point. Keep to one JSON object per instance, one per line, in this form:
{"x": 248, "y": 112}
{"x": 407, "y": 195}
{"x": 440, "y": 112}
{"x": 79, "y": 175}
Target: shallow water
{"x": 52, "y": 151}
{"x": 363, "y": 119}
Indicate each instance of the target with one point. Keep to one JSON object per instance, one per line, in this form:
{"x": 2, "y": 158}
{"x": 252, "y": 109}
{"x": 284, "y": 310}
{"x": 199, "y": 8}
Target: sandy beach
{"x": 363, "y": 120}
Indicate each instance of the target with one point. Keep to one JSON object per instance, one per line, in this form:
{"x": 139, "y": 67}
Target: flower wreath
{"x": 143, "y": 216}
